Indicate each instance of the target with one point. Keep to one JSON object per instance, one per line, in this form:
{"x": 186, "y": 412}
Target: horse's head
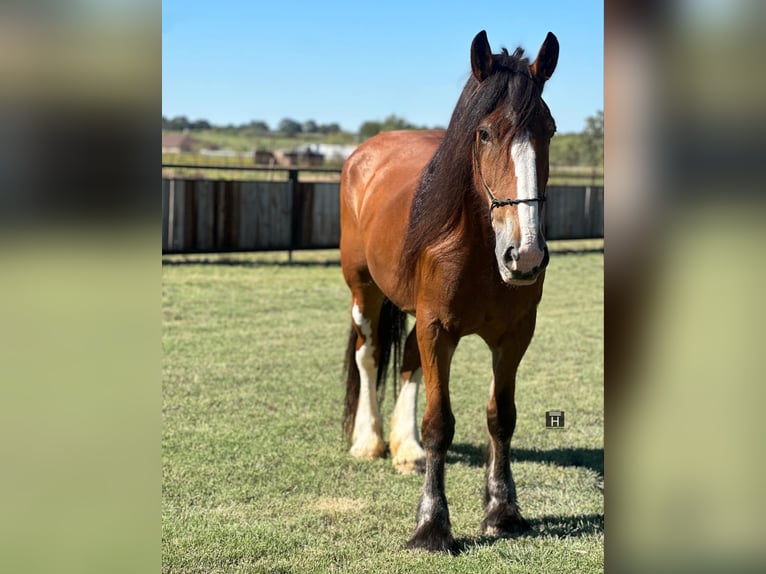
{"x": 510, "y": 152}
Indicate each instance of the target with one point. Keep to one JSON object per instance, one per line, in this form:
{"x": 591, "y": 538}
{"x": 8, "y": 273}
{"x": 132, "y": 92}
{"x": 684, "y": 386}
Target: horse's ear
{"x": 547, "y": 58}
{"x": 481, "y": 57}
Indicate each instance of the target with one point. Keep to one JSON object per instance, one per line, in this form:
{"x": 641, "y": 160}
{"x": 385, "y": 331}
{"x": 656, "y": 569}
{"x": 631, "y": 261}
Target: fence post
{"x": 296, "y": 216}
{"x": 171, "y": 213}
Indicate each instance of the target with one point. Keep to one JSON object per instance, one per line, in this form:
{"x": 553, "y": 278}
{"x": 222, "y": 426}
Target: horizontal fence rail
{"x": 210, "y": 215}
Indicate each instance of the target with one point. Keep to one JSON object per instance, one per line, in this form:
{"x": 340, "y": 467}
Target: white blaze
{"x": 525, "y": 166}
{"x": 529, "y": 253}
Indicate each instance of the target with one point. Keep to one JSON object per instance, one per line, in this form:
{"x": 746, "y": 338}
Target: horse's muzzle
{"x": 517, "y": 276}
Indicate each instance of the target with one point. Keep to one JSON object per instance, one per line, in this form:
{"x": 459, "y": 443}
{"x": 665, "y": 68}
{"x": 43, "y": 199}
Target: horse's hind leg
{"x": 407, "y": 452}
{"x": 367, "y": 434}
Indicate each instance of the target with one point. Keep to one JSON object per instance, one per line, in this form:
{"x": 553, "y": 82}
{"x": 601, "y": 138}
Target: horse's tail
{"x": 392, "y": 328}
{"x": 353, "y": 383}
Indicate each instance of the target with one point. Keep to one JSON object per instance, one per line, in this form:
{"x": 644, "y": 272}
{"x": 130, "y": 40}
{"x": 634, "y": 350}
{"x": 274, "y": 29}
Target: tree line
{"x": 286, "y": 126}
{"x": 289, "y": 126}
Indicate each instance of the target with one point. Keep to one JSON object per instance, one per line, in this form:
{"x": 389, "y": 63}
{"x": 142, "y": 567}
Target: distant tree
{"x": 290, "y": 127}
{"x": 199, "y": 125}
{"x": 310, "y": 127}
{"x": 178, "y": 123}
{"x": 329, "y": 129}
{"x": 258, "y": 126}
{"x": 585, "y": 148}
{"x": 393, "y": 122}
{"x": 593, "y": 139}
{"x": 369, "y": 129}
{"x": 573, "y": 151}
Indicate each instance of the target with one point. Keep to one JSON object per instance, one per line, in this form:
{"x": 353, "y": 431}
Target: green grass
{"x": 256, "y": 475}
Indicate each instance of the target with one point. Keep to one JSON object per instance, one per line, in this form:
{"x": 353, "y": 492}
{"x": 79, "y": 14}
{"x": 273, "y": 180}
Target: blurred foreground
{"x": 685, "y": 230}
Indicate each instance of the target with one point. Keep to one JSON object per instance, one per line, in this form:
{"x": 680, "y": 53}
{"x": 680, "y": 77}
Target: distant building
{"x": 335, "y": 152}
{"x": 177, "y": 143}
{"x": 214, "y": 152}
{"x": 300, "y": 156}
{"x": 261, "y": 157}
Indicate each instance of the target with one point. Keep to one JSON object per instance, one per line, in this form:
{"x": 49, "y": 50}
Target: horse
{"x": 446, "y": 225}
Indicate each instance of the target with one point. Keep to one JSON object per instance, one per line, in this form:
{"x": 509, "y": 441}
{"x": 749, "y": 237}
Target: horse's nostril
{"x": 512, "y": 254}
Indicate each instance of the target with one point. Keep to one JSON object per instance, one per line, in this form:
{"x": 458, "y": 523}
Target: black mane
{"x": 448, "y": 177}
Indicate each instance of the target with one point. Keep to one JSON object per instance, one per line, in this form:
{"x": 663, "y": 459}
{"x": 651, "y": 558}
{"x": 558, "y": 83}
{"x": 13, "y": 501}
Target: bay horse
{"x": 446, "y": 226}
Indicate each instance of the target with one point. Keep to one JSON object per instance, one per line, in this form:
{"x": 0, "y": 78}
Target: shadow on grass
{"x": 592, "y": 458}
{"x": 250, "y": 262}
{"x": 475, "y": 456}
{"x": 468, "y": 454}
{"x": 545, "y": 526}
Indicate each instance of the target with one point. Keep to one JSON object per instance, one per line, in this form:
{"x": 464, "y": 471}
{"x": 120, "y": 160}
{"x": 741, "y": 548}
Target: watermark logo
{"x": 554, "y": 419}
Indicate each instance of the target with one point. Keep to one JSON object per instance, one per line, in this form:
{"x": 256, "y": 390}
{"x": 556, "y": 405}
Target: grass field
{"x": 256, "y": 475}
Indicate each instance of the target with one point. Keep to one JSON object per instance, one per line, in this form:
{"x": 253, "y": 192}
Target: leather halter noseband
{"x": 498, "y": 202}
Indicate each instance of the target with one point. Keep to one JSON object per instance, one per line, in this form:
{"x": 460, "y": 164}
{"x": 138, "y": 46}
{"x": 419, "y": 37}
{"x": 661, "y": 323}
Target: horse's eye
{"x": 484, "y": 135}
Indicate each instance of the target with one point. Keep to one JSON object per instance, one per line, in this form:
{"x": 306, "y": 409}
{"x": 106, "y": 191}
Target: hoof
{"x": 433, "y": 538}
{"x": 368, "y": 447}
{"x": 409, "y": 457}
{"x": 504, "y": 520}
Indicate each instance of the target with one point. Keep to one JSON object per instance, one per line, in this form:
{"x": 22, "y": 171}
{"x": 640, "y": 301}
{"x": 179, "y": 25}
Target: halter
{"x": 494, "y": 201}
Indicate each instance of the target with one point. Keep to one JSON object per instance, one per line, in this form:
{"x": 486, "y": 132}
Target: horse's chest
{"x": 491, "y": 316}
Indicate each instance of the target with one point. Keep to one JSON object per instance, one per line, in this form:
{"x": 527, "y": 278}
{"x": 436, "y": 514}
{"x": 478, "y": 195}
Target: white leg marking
{"x": 408, "y": 454}
{"x": 426, "y": 508}
{"x": 368, "y": 432}
{"x": 359, "y": 320}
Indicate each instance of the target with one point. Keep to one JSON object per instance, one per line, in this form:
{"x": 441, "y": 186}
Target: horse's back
{"x": 386, "y": 167}
{"x": 378, "y": 183}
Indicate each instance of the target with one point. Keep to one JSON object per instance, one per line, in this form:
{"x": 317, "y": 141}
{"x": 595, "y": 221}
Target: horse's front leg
{"x": 433, "y": 531}
{"x": 503, "y": 516}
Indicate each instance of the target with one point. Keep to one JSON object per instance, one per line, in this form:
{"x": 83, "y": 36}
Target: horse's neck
{"x": 475, "y": 221}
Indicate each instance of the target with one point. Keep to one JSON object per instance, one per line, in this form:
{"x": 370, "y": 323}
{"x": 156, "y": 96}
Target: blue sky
{"x": 234, "y": 61}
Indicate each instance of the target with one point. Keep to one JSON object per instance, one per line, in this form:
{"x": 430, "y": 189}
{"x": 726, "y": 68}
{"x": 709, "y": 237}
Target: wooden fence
{"x": 227, "y": 215}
